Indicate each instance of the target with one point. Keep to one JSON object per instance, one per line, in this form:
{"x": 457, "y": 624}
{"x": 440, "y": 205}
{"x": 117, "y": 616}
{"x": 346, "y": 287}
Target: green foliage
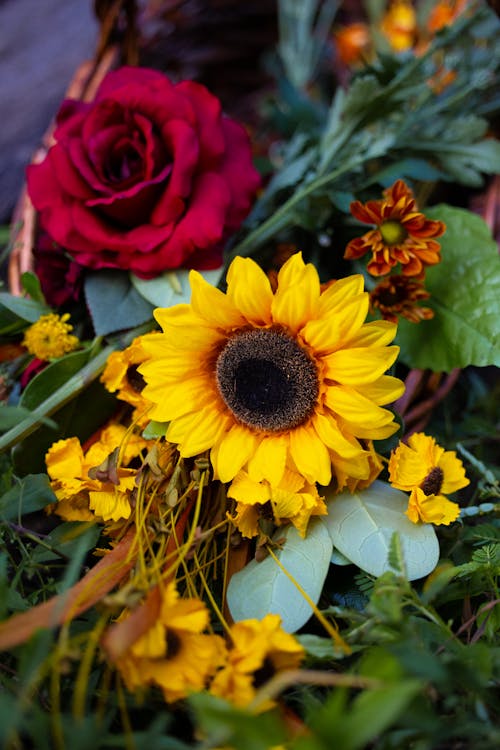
{"x": 465, "y": 296}
{"x": 114, "y": 304}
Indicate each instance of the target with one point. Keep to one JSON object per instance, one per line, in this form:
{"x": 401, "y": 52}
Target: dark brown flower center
{"x": 135, "y": 379}
{"x": 173, "y": 644}
{"x": 267, "y": 379}
{"x": 393, "y": 232}
{"x": 433, "y": 481}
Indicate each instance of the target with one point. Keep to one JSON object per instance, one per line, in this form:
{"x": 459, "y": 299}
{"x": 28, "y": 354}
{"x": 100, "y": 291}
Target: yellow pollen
{"x": 393, "y": 232}
{"x": 50, "y": 337}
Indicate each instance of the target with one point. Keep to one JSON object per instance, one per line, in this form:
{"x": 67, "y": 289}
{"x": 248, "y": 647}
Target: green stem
{"x": 283, "y": 216}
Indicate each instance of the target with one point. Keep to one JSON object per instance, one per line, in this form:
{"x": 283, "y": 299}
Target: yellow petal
{"x": 65, "y": 459}
{"x": 234, "y": 450}
{"x": 339, "y": 293}
{"x": 212, "y": 304}
{"x": 268, "y": 461}
{"x": 297, "y": 297}
{"x": 375, "y": 333}
{"x": 330, "y": 434}
{"x": 173, "y": 399}
{"x": 246, "y": 490}
{"x": 453, "y": 472}
{"x": 110, "y": 505}
{"x": 383, "y": 391}
{"x": 325, "y": 334}
{"x": 198, "y": 431}
{"x": 362, "y": 415}
{"x": 407, "y": 468}
{"x": 435, "y": 509}
{"x": 360, "y": 365}
{"x": 310, "y": 455}
{"x": 249, "y": 289}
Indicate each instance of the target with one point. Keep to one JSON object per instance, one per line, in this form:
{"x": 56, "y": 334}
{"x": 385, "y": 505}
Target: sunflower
{"x": 427, "y": 471}
{"x": 402, "y": 234}
{"x": 121, "y": 376}
{"x": 174, "y": 654}
{"x": 270, "y": 380}
{"x": 93, "y": 484}
{"x": 293, "y": 500}
{"x": 258, "y": 650}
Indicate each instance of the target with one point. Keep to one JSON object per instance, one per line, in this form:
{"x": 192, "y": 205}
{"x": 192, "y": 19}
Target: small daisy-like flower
{"x": 121, "y": 376}
{"x": 443, "y": 13}
{"x": 50, "y": 337}
{"x": 293, "y": 500}
{"x": 398, "y": 296}
{"x": 399, "y": 25}
{"x": 401, "y": 235}
{"x": 174, "y": 653}
{"x": 427, "y": 471}
{"x": 270, "y": 380}
{"x": 93, "y": 485}
{"x": 258, "y": 650}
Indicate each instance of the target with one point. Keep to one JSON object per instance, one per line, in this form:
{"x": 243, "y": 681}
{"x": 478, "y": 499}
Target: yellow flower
{"x": 93, "y": 484}
{"x": 399, "y": 25}
{"x": 426, "y": 470}
{"x": 174, "y": 653}
{"x": 293, "y": 499}
{"x": 266, "y": 380}
{"x": 121, "y": 375}
{"x": 50, "y": 337}
{"x": 258, "y": 650}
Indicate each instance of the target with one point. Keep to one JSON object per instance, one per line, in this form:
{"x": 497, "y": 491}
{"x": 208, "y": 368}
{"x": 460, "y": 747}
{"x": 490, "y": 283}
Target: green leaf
{"x": 12, "y": 415}
{"x": 465, "y": 296}
{"x": 155, "y": 430}
{"x": 31, "y": 285}
{"x": 170, "y": 288}
{"x": 263, "y": 587}
{"x": 114, "y": 304}
{"x": 52, "y": 377}
{"x": 25, "y": 309}
{"x": 30, "y": 494}
{"x": 362, "y": 525}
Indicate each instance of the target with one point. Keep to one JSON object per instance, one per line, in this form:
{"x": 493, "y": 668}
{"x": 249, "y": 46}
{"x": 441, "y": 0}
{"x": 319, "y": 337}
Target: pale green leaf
{"x": 171, "y": 288}
{"x": 362, "y": 525}
{"x": 262, "y": 588}
{"x": 114, "y": 304}
{"x": 26, "y": 309}
{"x": 465, "y": 296}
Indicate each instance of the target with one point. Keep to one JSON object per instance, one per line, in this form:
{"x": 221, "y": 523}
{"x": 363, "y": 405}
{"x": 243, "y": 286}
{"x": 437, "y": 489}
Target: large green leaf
{"x": 263, "y": 587}
{"x": 465, "y": 297}
{"x": 114, "y": 304}
{"x": 363, "y": 524}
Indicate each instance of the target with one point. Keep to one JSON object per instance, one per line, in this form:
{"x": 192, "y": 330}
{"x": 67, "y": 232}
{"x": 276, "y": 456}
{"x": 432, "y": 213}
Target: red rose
{"x": 149, "y": 176}
{"x": 60, "y": 277}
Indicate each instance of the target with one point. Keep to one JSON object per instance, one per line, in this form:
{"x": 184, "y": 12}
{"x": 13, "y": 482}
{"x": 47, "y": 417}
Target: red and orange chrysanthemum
{"x": 401, "y": 234}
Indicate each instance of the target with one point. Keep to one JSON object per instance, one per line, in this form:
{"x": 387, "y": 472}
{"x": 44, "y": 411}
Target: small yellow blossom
{"x": 50, "y": 337}
{"x": 121, "y": 376}
{"x": 258, "y": 650}
{"x": 293, "y": 499}
{"x": 84, "y": 485}
{"x": 426, "y": 470}
{"x": 174, "y": 654}
{"x": 399, "y": 25}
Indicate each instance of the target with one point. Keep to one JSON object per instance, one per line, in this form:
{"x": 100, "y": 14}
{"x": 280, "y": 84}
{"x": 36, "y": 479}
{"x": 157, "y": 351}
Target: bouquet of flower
{"x": 240, "y": 369}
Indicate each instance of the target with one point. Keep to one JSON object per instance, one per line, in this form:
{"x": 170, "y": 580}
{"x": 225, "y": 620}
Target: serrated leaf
{"x": 114, "y": 304}
{"x": 170, "y": 288}
{"x": 362, "y": 525}
{"x": 465, "y": 296}
{"x": 262, "y": 588}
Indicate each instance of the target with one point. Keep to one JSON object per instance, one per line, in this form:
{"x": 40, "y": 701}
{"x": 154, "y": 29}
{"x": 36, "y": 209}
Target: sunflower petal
{"x": 197, "y": 431}
{"x": 310, "y": 455}
{"x": 297, "y": 297}
{"x": 249, "y": 289}
{"x": 235, "y": 448}
{"x": 268, "y": 461}
{"x": 213, "y": 305}
{"x": 360, "y": 365}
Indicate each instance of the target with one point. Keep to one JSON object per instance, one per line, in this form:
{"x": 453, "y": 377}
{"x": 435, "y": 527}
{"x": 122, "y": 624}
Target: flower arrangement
{"x": 235, "y": 479}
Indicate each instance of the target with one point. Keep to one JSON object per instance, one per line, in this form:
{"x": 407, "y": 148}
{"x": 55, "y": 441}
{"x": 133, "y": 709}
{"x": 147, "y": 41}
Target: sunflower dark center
{"x": 393, "y": 232}
{"x": 267, "y": 379}
{"x": 173, "y": 644}
{"x": 433, "y": 481}
{"x": 135, "y": 379}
